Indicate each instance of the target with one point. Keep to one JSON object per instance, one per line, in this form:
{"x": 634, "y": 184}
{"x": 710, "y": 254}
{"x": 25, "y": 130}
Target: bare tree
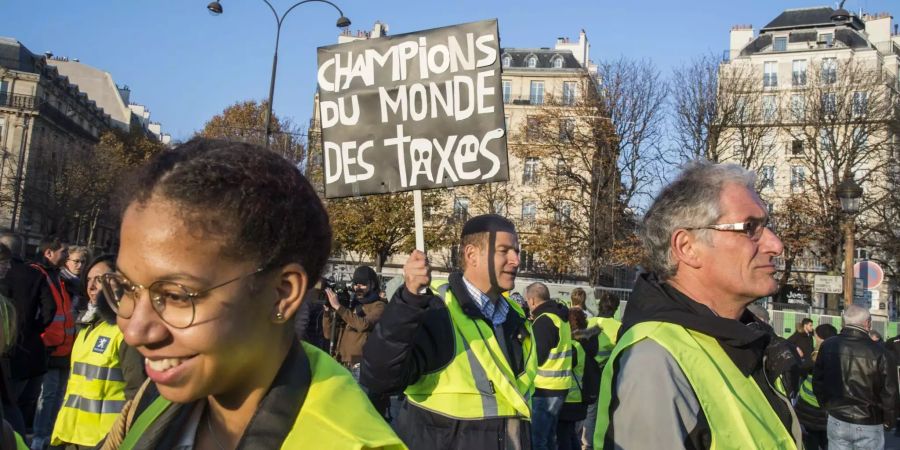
{"x": 598, "y": 152}
{"x": 719, "y": 114}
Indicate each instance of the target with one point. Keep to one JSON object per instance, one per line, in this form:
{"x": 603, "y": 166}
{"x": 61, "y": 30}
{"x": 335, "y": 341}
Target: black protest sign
{"x": 413, "y": 111}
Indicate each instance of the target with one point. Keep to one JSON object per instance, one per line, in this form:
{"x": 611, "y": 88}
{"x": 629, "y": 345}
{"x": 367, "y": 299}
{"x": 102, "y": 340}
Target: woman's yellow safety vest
{"x": 609, "y": 330}
{"x": 738, "y": 412}
{"x": 556, "y": 371}
{"x": 335, "y": 414}
{"x": 95, "y": 393}
{"x": 574, "y": 395}
{"x": 478, "y": 383}
{"x": 806, "y": 392}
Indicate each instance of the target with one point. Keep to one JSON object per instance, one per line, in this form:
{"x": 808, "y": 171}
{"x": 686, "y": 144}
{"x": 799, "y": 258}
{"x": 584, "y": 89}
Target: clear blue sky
{"x": 186, "y": 65}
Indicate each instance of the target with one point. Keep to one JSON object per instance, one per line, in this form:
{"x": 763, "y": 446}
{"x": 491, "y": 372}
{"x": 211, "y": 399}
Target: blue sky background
{"x": 186, "y": 65}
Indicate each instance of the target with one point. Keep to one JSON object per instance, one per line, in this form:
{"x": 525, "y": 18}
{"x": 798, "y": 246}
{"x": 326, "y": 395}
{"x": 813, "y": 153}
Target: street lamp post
{"x": 850, "y": 195}
{"x": 215, "y": 8}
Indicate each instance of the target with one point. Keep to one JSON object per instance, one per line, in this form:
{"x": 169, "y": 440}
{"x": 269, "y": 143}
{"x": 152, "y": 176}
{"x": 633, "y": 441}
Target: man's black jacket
{"x": 804, "y": 342}
{"x": 855, "y": 379}
{"x": 415, "y": 337}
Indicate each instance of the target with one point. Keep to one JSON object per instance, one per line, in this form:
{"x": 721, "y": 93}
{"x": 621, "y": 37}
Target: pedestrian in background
{"x": 9, "y": 438}
{"x": 71, "y": 272}
{"x": 855, "y": 381}
{"x": 579, "y": 300}
{"x": 105, "y": 370}
{"x": 812, "y": 416}
{"x": 803, "y": 340}
{"x": 352, "y": 323}
{"x": 553, "y": 342}
{"x": 608, "y": 326}
{"x": 27, "y": 357}
{"x": 586, "y": 382}
{"x": 58, "y": 337}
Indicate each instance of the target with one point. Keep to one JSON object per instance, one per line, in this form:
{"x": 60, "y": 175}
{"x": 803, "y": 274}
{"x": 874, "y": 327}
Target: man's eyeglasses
{"x": 173, "y": 302}
{"x": 752, "y": 228}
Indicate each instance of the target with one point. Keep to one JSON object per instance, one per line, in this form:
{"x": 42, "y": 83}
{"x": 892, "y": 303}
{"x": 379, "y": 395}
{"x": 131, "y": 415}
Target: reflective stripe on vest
{"x": 556, "y": 372}
{"x": 609, "y": 329}
{"x": 478, "y": 382}
{"x": 806, "y": 392}
{"x": 738, "y": 413}
{"x": 61, "y": 331}
{"x": 95, "y": 392}
{"x": 355, "y": 425}
{"x": 575, "y": 392}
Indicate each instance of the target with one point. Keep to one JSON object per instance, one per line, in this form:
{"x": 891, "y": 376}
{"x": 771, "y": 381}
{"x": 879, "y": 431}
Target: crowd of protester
{"x": 240, "y": 342}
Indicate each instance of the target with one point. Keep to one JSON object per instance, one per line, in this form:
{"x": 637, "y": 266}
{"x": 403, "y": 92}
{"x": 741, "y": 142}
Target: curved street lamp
{"x": 850, "y": 194}
{"x": 215, "y": 8}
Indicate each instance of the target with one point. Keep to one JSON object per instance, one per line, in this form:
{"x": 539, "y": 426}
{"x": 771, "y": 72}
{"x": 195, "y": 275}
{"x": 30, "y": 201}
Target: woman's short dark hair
{"x": 577, "y": 319}
{"x": 607, "y": 304}
{"x": 103, "y": 307}
{"x": 259, "y": 204}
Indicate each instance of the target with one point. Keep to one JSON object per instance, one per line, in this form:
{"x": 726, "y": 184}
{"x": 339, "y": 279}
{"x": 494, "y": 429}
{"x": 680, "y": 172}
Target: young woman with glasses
{"x": 219, "y": 242}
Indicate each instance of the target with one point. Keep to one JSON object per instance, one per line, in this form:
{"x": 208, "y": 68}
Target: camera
{"x": 341, "y": 289}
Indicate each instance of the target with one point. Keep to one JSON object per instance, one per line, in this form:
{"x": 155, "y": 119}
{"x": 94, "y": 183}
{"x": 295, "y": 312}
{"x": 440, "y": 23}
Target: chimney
{"x": 741, "y": 35}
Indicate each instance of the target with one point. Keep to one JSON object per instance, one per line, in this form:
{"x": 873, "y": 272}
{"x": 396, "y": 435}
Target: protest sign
{"x": 414, "y": 111}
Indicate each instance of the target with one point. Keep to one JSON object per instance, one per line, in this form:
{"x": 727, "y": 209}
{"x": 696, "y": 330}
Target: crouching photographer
{"x": 354, "y": 321}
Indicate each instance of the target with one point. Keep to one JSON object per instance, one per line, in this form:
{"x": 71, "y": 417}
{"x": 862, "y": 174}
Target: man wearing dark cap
{"x": 460, "y": 350}
{"x": 356, "y": 320}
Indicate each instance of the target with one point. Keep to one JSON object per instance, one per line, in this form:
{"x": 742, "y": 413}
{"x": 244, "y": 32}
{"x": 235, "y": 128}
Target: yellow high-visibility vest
{"x": 335, "y": 414}
{"x": 556, "y": 371}
{"x": 738, "y": 413}
{"x": 575, "y": 392}
{"x": 96, "y": 390}
{"x": 479, "y": 382}
{"x": 609, "y": 330}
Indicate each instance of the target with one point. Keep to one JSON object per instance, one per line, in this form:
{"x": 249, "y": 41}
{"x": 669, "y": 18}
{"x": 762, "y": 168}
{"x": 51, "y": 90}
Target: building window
{"x": 564, "y": 212}
{"x": 742, "y": 108}
{"x": 798, "y": 72}
{"x": 826, "y": 39}
{"x": 796, "y": 147}
{"x": 568, "y": 93}
{"x": 829, "y": 104}
{"x": 561, "y": 167}
{"x": 532, "y": 62}
{"x": 769, "y": 108}
{"x": 529, "y": 212}
{"x": 770, "y": 74}
{"x": 798, "y": 176}
{"x": 558, "y": 62}
{"x": 780, "y": 44}
{"x": 767, "y": 177}
{"x": 798, "y": 107}
{"x": 860, "y": 103}
{"x": 566, "y": 129}
{"x": 507, "y": 61}
{"x": 498, "y": 206}
{"x": 461, "y": 208}
{"x": 826, "y": 144}
{"x": 829, "y": 70}
{"x": 537, "y": 93}
{"x": 530, "y": 170}
{"x": 860, "y": 139}
{"x": 533, "y": 129}
{"x": 507, "y": 90}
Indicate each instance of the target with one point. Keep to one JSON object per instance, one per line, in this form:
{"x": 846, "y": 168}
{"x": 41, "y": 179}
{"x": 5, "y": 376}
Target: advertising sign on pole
{"x": 829, "y": 284}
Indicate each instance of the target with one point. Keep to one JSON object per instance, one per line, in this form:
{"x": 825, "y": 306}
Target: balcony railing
{"x": 19, "y": 101}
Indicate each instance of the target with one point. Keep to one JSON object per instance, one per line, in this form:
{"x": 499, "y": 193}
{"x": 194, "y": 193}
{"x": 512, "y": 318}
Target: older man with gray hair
{"x": 692, "y": 367}
{"x": 855, "y": 381}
